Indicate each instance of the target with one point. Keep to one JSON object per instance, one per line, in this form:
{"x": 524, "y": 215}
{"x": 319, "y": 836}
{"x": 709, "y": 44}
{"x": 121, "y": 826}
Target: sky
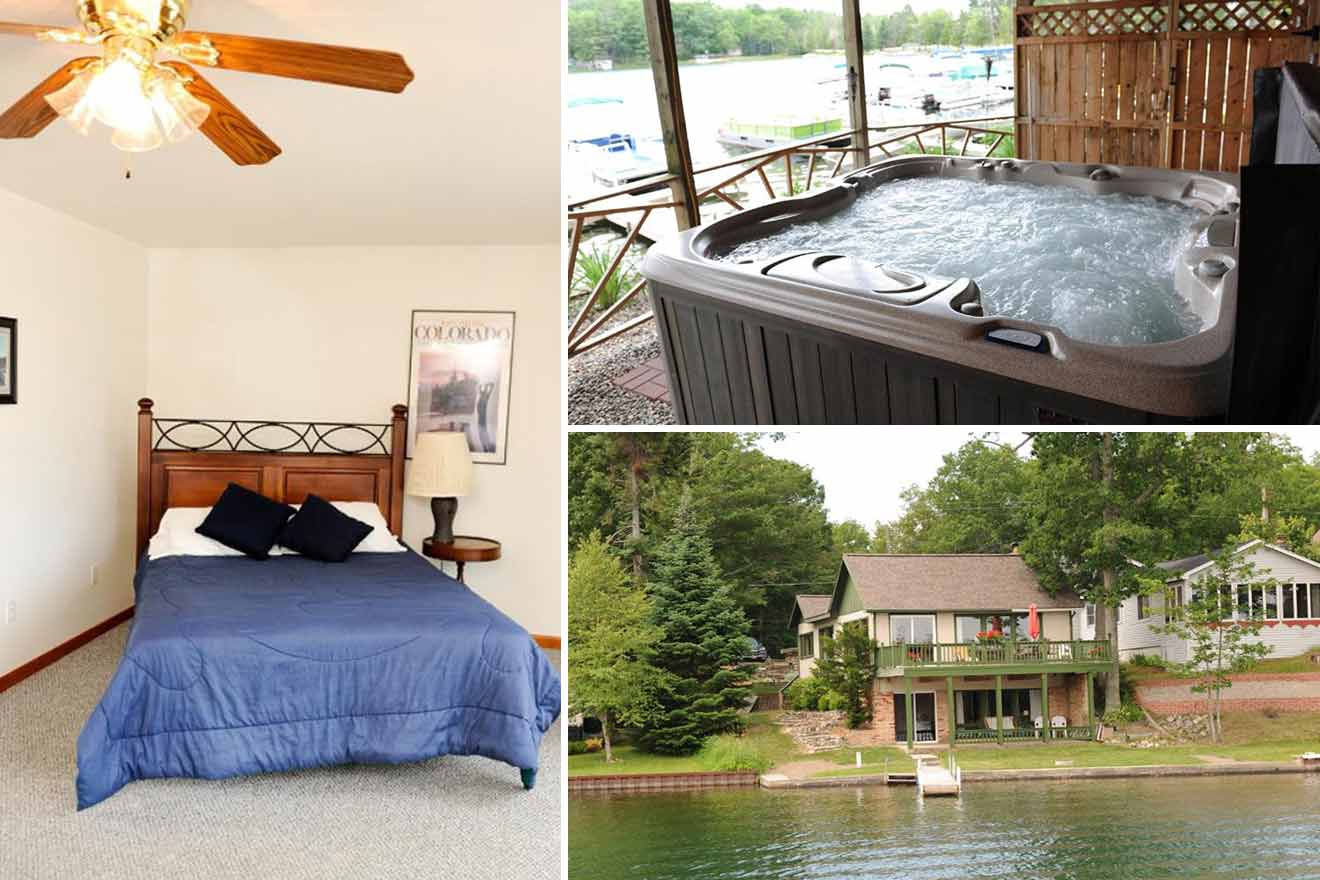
{"x": 863, "y": 469}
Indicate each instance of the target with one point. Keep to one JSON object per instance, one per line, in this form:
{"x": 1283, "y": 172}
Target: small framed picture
{"x": 459, "y": 377}
{"x": 8, "y": 360}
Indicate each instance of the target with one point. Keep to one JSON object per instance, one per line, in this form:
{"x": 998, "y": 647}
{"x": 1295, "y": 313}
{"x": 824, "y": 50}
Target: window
{"x": 826, "y": 632}
{"x": 1296, "y": 601}
{"x": 1172, "y": 602}
{"x": 912, "y": 629}
{"x": 1314, "y": 606}
{"x": 806, "y": 645}
{"x": 1090, "y": 614}
{"x": 968, "y": 627}
{"x": 1143, "y": 607}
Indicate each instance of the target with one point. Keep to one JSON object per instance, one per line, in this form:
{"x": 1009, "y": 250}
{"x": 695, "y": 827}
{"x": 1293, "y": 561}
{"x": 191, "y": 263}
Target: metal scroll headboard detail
{"x": 237, "y": 435}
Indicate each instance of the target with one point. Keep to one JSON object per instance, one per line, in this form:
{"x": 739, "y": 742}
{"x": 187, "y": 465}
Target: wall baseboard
{"x": 34, "y": 666}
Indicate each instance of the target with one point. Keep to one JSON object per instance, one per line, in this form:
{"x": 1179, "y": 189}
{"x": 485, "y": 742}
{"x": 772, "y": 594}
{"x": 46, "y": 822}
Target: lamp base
{"x": 443, "y": 509}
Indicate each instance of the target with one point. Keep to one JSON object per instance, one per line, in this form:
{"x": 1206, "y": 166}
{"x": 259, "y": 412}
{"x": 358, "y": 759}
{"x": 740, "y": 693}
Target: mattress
{"x": 237, "y": 667}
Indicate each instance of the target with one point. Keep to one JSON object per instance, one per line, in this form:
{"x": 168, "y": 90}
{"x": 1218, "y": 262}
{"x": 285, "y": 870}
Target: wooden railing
{"x": 733, "y": 185}
{"x": 1002, "y": 653}
{"x": 981, "y": 734}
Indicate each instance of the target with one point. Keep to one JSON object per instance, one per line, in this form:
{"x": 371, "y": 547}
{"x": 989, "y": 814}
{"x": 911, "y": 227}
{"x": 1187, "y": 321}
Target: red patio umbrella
{"x": 1033, "y": 622}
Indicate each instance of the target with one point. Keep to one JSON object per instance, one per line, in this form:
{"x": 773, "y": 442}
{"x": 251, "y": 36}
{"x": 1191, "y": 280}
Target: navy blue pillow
{"x": 322, "y": 531}
{"x": 246, "y": 521}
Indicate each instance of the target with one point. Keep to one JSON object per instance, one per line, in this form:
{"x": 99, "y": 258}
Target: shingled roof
{"x": 951, "y": 582}
{"x": 811, "y": 605}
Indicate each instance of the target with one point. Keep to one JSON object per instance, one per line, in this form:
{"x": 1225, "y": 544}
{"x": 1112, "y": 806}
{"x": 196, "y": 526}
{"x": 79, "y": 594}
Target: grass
{"x": 1275, "y": 665}
{"x": 1300, "y": 663}
{"x": 875, "y": 759}
{"x": 762, "y": 736}
{"x": 1248, "y": 736}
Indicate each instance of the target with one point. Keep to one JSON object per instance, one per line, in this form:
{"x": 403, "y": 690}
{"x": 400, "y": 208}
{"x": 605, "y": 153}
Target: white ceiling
{"x": 468, "y": 154}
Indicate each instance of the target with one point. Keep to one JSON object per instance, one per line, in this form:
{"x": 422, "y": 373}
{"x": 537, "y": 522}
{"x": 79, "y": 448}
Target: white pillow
{"x": 177, "y": 535}
{"x": 380, "y": 540}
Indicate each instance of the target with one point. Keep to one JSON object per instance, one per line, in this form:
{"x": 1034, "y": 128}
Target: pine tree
{"x": 704, "y": 633}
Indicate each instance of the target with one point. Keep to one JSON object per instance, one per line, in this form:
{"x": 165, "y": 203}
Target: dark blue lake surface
{"x": 1214, "y": 827}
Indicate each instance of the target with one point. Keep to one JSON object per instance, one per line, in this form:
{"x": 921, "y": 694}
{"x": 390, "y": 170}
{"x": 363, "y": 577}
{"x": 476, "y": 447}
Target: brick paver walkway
{"x": 648, "y": 380}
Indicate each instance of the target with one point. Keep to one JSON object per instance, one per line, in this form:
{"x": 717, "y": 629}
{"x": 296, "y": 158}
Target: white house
{"x": 1291, "y": 610}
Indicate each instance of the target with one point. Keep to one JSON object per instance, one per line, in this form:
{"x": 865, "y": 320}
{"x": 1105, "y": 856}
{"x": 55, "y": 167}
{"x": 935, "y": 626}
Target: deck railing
{"x": 996, "y": 653}
{"x": 981, "y": 734}
{"x": 733, "y": 185}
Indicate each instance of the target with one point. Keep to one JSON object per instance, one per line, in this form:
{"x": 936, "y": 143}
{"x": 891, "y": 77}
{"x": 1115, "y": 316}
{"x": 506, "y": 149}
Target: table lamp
{"x": 442, "y": 471}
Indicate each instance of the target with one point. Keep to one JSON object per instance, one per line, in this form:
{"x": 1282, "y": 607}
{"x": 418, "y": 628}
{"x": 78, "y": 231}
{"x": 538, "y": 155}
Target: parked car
{"x": 754, "y": 652}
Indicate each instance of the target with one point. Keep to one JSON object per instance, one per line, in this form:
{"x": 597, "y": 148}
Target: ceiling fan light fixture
{"x": 71, "y": 101}
{"x": 179, "y": 113}
{"x": 118, "y": 95}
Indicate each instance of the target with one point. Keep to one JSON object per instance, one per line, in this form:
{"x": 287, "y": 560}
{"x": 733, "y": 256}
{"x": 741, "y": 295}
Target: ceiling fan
{"x": 144, "y": 88}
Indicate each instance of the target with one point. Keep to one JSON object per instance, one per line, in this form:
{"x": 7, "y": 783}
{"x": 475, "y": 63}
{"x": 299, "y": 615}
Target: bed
{"x": 236, "y": 667}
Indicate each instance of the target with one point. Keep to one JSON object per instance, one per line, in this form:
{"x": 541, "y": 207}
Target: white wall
{"x": 67, "y": 462}
{"x": 323, "y": 333}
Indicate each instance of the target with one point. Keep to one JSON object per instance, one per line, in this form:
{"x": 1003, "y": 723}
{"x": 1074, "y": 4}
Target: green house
{"x": 968, "y": 647}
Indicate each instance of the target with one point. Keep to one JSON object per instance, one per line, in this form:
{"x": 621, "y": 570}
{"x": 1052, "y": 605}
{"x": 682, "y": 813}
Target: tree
{"x": 703, "y": 634}
{"x": 847, "y": 666}
{"x": 611, "y": 641}
{"x": 1100, "y": 509}
{"x": 975, "y": 503}
{"x": 1221, "y": 632}
{"x": 766, "y": 520}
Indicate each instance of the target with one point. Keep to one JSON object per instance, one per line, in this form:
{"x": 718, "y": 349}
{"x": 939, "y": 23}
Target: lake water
{"x": 811, "y": 85}
{"x": 1236, "y": 827}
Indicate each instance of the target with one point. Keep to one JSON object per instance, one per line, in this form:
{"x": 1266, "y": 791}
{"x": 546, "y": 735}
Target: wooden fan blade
{"x": 31, "y": 114}
{"x": 15, "y": 29}
{"x": 358, "y": 68}
{"x": 237, "y": 136}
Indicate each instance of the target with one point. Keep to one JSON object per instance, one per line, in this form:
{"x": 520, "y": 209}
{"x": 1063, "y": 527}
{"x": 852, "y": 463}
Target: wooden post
{"x": 398, "y": 452}
{"x": 144, "y": 474}
{"x": 908, "y": 704}
{"x": 1090, "y": 703}
{"x": 1045, "y": 731}
{"x": 853, "y": 49}
{"x": 999, "y": 708}
{"x": 951, "y": 717}
{"x": 669, "y": 101}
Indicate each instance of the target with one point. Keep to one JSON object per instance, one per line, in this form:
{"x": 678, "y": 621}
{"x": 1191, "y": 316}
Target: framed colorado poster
{"x": 8, "y": 362}
{"x": 459, "y": 379}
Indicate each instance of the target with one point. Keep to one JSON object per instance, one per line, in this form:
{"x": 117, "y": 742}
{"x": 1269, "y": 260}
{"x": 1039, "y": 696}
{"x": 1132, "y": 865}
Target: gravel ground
{"x": 595, "y": 400}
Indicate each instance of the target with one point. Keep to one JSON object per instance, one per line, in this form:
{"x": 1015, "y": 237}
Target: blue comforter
{"x": 236, "y": 667}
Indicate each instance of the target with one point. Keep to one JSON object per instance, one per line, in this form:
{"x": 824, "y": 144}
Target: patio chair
{"x": 1058, "y": 721}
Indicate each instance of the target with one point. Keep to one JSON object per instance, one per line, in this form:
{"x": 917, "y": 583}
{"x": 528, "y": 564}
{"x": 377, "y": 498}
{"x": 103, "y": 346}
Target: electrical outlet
{"x": 11, "y": 611}
{"x": 91, "y": 581}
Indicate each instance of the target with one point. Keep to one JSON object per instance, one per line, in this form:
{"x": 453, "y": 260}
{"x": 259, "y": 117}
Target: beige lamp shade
{"x": 441, "y": 466}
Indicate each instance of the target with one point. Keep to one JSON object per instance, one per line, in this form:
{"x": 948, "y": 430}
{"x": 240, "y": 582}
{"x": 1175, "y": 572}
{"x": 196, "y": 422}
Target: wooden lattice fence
{"x": 1164, "y": 85}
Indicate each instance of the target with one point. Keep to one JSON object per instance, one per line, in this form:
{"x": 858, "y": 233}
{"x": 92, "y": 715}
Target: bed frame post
{"x": 398, "y": 452}
{"x": 143, "y": 474}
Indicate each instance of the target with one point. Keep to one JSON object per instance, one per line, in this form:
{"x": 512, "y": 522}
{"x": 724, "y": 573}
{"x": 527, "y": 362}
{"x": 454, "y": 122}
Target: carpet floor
{"x": 448, "y": 817}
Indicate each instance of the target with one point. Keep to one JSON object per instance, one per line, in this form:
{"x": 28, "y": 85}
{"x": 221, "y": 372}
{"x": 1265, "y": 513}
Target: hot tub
{"x": 824, "y": 335}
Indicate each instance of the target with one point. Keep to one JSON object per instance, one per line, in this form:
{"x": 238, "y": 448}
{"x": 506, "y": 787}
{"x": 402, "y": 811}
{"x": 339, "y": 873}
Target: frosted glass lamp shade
{"x": 441, "y": 466}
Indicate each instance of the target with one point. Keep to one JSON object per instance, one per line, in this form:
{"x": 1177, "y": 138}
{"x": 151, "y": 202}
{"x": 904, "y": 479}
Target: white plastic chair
{"x": 1058, "y": 721}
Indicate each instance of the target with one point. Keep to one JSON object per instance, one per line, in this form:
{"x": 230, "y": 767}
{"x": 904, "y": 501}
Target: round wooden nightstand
{"x": 462, "y": 550}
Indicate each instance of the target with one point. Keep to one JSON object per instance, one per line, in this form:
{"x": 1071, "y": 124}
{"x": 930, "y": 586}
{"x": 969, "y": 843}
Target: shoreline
{"x": 650, "y": 782}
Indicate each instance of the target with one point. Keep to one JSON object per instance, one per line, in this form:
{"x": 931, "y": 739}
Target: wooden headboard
{"x": 189, "y": 462}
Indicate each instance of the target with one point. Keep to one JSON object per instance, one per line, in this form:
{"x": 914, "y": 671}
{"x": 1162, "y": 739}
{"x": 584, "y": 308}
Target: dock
{"x": 933, "y": 778}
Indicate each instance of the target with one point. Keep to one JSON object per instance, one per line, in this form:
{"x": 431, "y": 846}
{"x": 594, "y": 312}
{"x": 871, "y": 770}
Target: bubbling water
{"x": 1099, "y": 267}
